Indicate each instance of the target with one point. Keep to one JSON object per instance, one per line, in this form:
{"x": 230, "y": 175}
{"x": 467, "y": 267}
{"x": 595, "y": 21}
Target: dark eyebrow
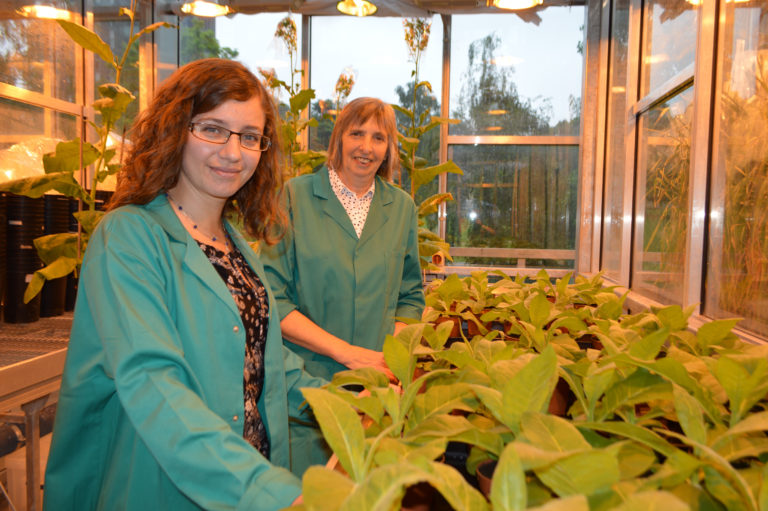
{"x": 222, "y": 124}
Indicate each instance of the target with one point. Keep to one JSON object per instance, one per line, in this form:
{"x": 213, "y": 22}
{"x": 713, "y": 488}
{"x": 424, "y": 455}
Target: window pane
{"x": 515, "y": 75}
{"x": 36, "y": 54}
{"x": 737, "y": 278}
{"x": 379, "y": 60}
{"x": 662, "y": 218}
{"x": 613, "y": 216}
{"x": 115, "y": 30}
{"x": 513, "y": 197}
{"x": 669, "y": 41}
{"x": 26, "y": 133}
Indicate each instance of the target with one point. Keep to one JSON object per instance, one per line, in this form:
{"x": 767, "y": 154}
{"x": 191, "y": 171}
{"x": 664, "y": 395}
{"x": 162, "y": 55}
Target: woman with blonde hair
{"x": 349, "y": 263}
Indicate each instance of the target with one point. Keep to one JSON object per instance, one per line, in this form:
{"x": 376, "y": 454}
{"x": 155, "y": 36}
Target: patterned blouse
{"x": 251, "y": 299}
{"x": 356, "y": 207}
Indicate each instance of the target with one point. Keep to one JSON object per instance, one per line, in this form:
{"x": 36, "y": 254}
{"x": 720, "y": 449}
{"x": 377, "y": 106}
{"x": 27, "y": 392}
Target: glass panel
{"x": 166, "y": 47}
{"x": 669, "y": 41}
{"x": 379, "y": 61}
{"x": 517, "y": 75}
{"x": 737, "y": 277}
{"x": 115, "y": 31}
{"x": 250, "y": 39}
{"x": 26, "y": 133}
{"x": 513, "y": 197}
{"x": 36, "y": 54}
{"x": 664, "y": 148}
{"x": 613, "y": 219}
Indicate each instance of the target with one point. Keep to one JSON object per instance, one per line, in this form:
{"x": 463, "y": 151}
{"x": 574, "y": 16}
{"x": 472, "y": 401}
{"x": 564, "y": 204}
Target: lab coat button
{"x": 235, "y": 328}
{"x": 234, "y": 419}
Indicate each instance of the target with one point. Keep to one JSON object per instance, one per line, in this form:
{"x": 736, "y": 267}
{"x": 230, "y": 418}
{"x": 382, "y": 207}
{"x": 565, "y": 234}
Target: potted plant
{"x": 62, "y": 253}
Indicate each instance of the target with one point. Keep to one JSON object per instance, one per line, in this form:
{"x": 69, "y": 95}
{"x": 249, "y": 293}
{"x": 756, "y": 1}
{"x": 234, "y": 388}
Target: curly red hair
{"x": 160, "y": 133}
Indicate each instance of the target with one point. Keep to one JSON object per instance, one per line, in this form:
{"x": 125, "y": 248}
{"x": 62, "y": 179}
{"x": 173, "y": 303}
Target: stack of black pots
{"x": 3, "y": 243}
{"x": 25, "y": 221}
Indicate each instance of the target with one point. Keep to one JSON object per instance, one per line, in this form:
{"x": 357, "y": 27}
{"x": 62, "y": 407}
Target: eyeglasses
{"x": 218, "y": 135}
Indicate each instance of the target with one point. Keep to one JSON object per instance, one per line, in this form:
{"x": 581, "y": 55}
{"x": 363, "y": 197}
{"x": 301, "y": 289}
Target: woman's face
{"x": 363, "y": 149}
{"x": 217, "y": 171}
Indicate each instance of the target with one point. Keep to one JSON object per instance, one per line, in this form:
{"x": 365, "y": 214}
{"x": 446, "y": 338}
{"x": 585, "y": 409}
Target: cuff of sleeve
{"x": 275, "y": 490}
{"x": 408, "y": 312}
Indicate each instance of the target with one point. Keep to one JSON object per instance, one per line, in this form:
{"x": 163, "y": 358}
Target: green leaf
{"x": 712, "y": 333}
{"x": 323, "y": 488}
{"x": 722, "y": 489}
{"x": 300, "y": 101}
{"x": 650, "y": 345}
{"x": 652, "y": 501}
{"x": 430, "y": 205}
{"x": 66, "y": 158}
{"x": 88, "y": 40}
{"x": 569, "y": 477}
{"x": 762, "y": 497}
{"x": 89, "y": 219}
{"x": 37, "y": 186}
{"x": 60, "y": 267}
{"x": 540, "y": 309}
{"x": 115, "y": 99}
{"x": 530, "y": 389}
{"x": 423, "y": 176}
{"x": 508, "y": 487}
{"x": 689, "y": 414}
{"x": 639, "y": 387}
{"x": 341, "y": 427}
{"x": 552, "y": 433}
{"x": 744, "y": 389}
{"x": 572, "y": 503}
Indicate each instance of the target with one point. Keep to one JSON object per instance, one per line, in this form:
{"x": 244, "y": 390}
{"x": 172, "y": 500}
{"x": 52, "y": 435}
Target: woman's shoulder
{"x": 396, "y": 193}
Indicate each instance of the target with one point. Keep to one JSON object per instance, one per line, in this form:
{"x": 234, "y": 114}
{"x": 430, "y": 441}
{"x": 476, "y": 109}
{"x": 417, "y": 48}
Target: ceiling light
{"x": 356, "y": 7}
{"x": 497, "y": 112}
{"x": 44, "y": 12}
{"x": 206, "y": 8}
{"x": 516, "y": 5}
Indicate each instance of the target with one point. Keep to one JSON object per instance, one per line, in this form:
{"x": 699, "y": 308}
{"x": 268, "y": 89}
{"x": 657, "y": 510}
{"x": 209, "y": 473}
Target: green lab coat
{"x": 353, "y": 288}
{"x": 150, "y": 413}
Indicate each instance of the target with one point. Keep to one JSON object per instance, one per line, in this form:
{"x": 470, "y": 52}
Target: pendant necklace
{"x": 180, "y": 209}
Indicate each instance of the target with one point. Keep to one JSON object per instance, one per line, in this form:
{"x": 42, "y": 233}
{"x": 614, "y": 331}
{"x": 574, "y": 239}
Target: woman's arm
{"x": 301, "y": 330}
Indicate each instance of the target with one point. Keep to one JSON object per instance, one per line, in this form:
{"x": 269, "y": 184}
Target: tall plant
{"x": 62, "y": 253}
{"x": 298, "y": 160}
{"x": 417, "y": 124}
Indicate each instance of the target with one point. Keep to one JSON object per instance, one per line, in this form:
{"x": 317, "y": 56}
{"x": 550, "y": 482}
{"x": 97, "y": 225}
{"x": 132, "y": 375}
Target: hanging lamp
{"x": 516, "y": 5}
{"x": 44, "y": 10}
{"x": 207, "y": 8}
{"x": 356, "y": 7}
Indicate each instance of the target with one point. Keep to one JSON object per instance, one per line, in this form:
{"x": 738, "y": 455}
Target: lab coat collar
{"x": 194, "y": 258}
{"x": 377, "y": 215}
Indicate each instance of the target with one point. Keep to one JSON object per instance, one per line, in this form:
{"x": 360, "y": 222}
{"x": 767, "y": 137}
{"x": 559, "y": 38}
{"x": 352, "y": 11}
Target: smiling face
{"x": 210, "y": 172}
{"x": 363, "y": 149}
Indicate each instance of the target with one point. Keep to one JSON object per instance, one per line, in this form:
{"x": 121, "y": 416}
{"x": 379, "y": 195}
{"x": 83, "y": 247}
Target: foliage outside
{"x": 62, "y": 253}
{"x": 656, "y": 416}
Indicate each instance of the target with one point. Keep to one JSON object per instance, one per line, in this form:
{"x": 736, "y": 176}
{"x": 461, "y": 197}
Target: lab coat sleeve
{"x": 280, "y": 265}
{"x": 296, "y": 379}
{"x": 126, "y": 275}
{"x": 410, "y": 303}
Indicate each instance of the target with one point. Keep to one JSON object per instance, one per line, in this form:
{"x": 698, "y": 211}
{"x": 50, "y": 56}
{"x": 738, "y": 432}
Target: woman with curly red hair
{"x": 177, "y": 387}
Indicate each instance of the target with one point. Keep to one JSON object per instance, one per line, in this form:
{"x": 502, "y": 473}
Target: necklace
{"x": 180, "y": 209}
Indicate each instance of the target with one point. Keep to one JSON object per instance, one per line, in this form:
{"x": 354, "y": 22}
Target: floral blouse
{"x": 251, "y": 299}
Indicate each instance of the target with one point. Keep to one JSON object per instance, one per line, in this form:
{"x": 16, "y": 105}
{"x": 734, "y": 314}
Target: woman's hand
{"x": 356, "y": 357}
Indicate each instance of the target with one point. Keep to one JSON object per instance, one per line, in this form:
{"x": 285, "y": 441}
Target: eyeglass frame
{"x": 192, "y": 125}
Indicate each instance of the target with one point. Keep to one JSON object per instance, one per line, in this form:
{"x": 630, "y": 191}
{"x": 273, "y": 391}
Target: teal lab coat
{"x": 150, "y": 412}
{"x": 353, "y": 288}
